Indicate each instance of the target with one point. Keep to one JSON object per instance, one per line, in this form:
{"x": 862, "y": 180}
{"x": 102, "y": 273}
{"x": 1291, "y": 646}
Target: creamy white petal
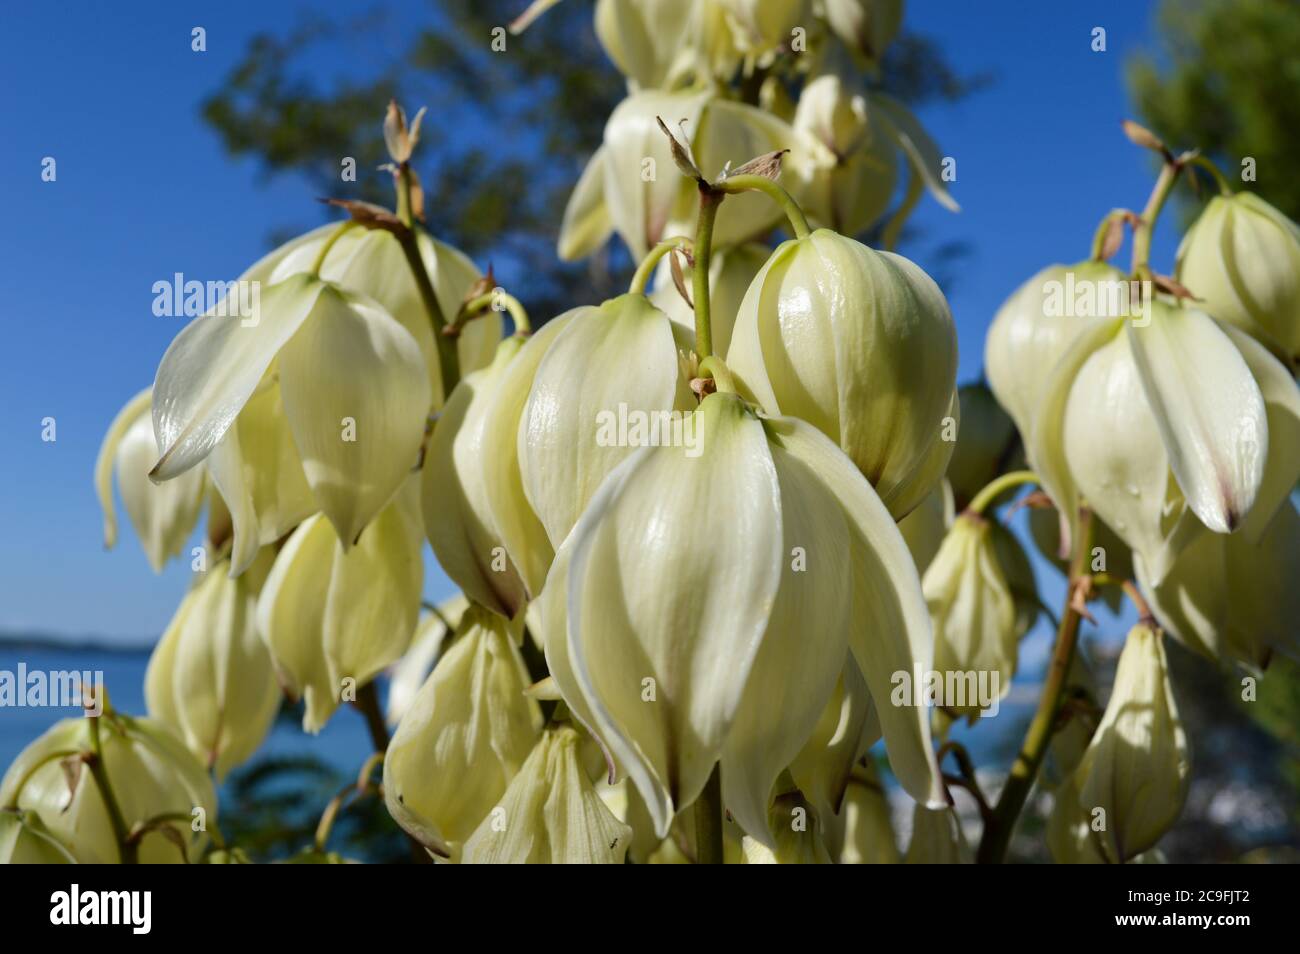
{"x": 675, "y": 569}
{"x": 551, "y": 814}
{"x": 520, "y": 530}
{"x": 921, "y": 150}
{"x": 259, "y": 475}
{"x": 1209, "y": 411}
{"x": 356, "y": 395}
{"x": 457, "y": 513}
{"x": 890, "y": 629}
{"x": 586, "y": 224}
{"x": 612, "y": 364}
{"x": 797, "y": 666}
{"x": 213, "y": 366}
{"x": 467, "y": 732}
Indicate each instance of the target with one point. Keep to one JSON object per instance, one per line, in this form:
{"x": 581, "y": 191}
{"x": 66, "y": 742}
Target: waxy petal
{"x": 890, "y": 629}
{"x": 675, "y": 569}
{"x": 1208, "y": 409}
{"x": 356, "y": 395}
{"x": 520, "y": 530}
{"x": 457, "y": 513}
{"x": 797, "y": 666}
{"x": 621, "y": 358}
{"x": 212, "y": 368}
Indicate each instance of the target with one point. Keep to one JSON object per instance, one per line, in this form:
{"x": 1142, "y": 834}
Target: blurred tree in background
{"x": 548, "y": 93}
{"x": 1227, "y": 79}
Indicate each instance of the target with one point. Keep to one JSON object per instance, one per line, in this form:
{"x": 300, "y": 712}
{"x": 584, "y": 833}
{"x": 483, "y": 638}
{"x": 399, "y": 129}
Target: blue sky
{"x": 145, "y": 190}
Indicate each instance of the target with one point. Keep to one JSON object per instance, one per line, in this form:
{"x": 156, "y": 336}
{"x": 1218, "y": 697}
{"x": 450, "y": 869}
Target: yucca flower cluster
{"x": 713, "y": 539}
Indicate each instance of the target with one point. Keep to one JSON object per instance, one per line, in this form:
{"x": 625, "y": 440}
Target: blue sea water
{"x": 344, "y": 743}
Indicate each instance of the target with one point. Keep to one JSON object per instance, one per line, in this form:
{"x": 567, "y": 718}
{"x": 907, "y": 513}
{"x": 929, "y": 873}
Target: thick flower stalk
{"x": 674, "y": 614}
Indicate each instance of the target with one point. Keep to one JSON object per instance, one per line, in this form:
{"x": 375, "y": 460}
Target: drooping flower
{"x": 550, "y": 813}
{"x": 860, "y": 344}
{"x": 974, "y": 614}
{"x": 798, "y": 835}
{"x": 334, "y": 618}
{"x": 458, "y": 517}
{"x": 866, "y": 26}
{"x": 465, "y": 736}
{"x": 864, "y": 831}
{"x": 632, "y": 186}
{"x": 553, "y": 429}
{"x": 1132, "y": 782}
{"x": 1241, "y": 259}
{"x": 675, "y": 612}
{"x": 210, "y": 677}
{"x": 655, "y": 43}
{"x": 1151, "y": 410}
{"x": 163, "y": 515}
{"x": 937, "y": 838}
{"x": 150, "y": 771}
{"x": 357, "y": 436}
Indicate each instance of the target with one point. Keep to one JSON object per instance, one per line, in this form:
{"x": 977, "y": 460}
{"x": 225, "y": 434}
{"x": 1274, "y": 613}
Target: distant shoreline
{"x": 46, "y": 642}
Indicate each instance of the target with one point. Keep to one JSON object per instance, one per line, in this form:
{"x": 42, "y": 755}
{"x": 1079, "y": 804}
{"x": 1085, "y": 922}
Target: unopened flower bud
{"x": 1240, "y": 259}
{"x": 151, "y": 774}
{"x": 865, "y": 26}
{"x": 974, "y": 614}
{"x": 860, "y": 344}
{"x": 1133, "y": 778}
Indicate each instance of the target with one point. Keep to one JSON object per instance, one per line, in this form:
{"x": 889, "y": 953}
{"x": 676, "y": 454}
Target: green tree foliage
{"x": 1227, "y": 79}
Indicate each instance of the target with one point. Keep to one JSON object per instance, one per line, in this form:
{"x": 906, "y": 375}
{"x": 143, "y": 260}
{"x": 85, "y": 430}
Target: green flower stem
{"x": 995, "y": 488}
{"x": 128, "y": 850}
{"x": 1219, "y": 178}
{"x": 708, "y": 822}
{"x": 403, "y": 184}
{"x": 1147, "y": 223}
{"x": 774, "y": 191}
{"x": 477, "y": 306}
{"x": 647, "y": 267}
{"x": 343, "y": 229}
{"x": 709, "y": 202}
{"x": 448, "y": 357}
{"x": 1002, "y": 822}
{"x": 713, "y": 367}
